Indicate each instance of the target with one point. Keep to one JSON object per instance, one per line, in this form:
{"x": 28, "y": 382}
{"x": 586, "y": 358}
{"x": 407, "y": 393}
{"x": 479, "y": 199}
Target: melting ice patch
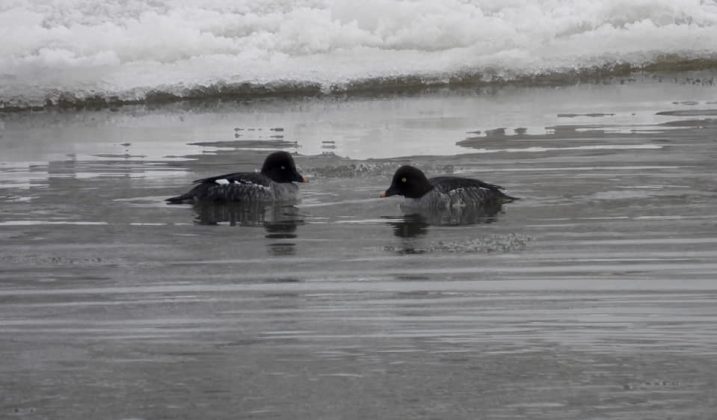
{"x": 74, "y": 50}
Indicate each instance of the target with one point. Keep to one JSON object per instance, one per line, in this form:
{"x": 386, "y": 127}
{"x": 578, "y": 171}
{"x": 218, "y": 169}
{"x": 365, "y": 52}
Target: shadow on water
{"x": 279, "y": 221}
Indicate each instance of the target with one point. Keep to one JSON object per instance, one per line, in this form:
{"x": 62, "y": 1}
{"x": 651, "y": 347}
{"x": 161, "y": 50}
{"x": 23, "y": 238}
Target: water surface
{"x": 592, "y": 297}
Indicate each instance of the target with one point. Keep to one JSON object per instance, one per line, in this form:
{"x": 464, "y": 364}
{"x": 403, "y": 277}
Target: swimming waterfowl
{"x": 275, "y": 182}
{"x": 444, "y": 192}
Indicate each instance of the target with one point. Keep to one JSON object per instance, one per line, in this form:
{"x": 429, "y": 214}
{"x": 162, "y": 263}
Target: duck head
{"x": 280, "y": 167}
{"x": 409, "y": 182}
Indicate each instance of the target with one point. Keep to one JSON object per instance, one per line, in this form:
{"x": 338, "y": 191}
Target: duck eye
{"x": 403, "y": 179}
{"x": 283, "y": 167}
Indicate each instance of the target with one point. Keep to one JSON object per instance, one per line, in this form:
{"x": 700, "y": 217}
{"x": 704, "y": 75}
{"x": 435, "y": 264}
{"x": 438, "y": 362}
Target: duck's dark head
{"x": 408, "y": 182}
{"x": 280, "y": 167}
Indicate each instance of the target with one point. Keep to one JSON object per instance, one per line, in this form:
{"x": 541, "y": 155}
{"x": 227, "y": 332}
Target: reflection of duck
{"x": 284, "y": 223}
{"x": 415, "y": 222}
{"x": 447, "y": 200}
{"x": 455, "y": 216}
{"x": 279, "y": 221}
{"x": 275, "y": 182}
{"x": 274, "y": 218}
{"x": 409, "y": 226}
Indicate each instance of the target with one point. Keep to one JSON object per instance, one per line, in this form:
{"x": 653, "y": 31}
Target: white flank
{"x": 222, "y": 182}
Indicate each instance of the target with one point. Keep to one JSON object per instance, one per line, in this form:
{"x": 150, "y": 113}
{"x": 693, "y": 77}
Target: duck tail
{"x": 180, "y": 199}
{"x": 509, "y": 198}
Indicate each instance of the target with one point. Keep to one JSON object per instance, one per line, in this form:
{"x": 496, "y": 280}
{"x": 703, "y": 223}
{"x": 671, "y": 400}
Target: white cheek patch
{"x": 222, "y": 182}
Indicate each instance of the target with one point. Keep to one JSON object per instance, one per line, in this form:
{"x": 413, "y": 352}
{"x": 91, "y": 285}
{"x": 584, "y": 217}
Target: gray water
{"x": 592, "y": 297}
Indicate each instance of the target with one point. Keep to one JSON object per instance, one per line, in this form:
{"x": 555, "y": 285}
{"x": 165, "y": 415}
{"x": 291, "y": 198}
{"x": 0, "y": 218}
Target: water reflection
{"x": 454, "y": 216}
{"x": 408, "y": 226}
{"x": 415, "y": 222}
{"x": 274, "y": 217}
{"x": 413, "y": 226}
{"x": 279, "y": 221}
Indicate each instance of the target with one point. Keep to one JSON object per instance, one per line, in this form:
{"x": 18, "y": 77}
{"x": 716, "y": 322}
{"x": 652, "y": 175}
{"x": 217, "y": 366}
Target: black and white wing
{"x": 238, "y": 186}
{"x": 236, "y": 178}
{"x": 470, "y": 190}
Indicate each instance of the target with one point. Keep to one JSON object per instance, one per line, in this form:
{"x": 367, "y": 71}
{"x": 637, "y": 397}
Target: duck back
{"x": 455, "y": 192}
